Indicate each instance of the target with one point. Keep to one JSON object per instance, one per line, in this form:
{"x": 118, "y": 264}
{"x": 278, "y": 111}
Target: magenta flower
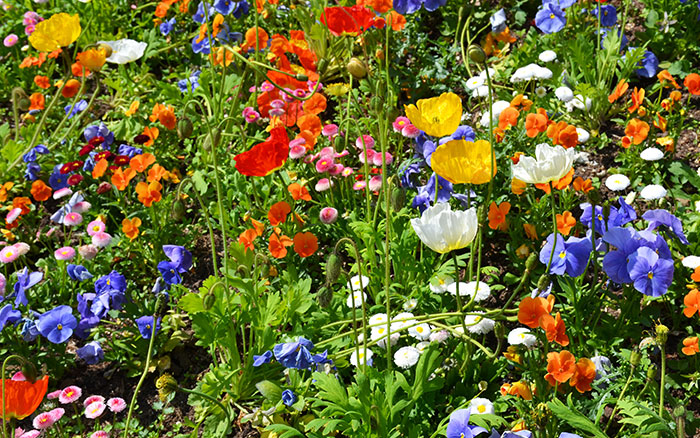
{"x": 297, "y": 148}
{"x": 330, "y": 130}
{"x": 100, "y": 434}
{"x": 116, "y": 404}
{"x": 328, "y": 215}
{"x": 57, "y": 413}
{"x": 3, "y": 283}
{"x": 31, "y": 434}
{"x": 337, "y": 169}
{"x": 10, "y": 40}
{"x": 375, "y": 183}
{"x": 53, "y": 395}
{"x": 95, "y": 409}
{"x": 13, "y": 215}
{"x": 359, "y": 185}
{"x": 93, "y": 399}
{"x": 94, "y": 227}
{"x": 324, "y": 164}
{"x": 81, "y": 207}
{"x": 347, "y": 171}
{"x": 43, "y": 421}
{"x": 367, "y": 140}
{"x": 62, "y": 193}
{"x": 65, "y": 253}
{"x": 410, "y": 131}
{"x": 400, "y": 123}
{"x": 72, "y": 219}
{"x": 101, "y": 239}
{"x": 70, "y": 394}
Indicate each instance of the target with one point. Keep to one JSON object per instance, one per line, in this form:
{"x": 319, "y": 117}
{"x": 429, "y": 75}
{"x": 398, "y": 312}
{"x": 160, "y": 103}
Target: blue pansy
{"x": 145, "y": 326}
{"x": 129, "y": 151}
{"x": 100, "y": 130}
{"x": 295, "y": 354}
{"x": 72, "y": 110}
{"x": 8, "y": 315}
{"x": 78, "y": 272}
{"x": 570, "y": 256}
{"x": 651, "y": 274}
{"x": 264, "y": 358}
{"x": 31, "y": 173}
{"x": 288, "y": 397}
{"x": 57, "y": 325}
{"x": 649, "y": 65}
{"x": 404, "y": 7}
{"x": 551, "y": 18}
{"x": 608, "y": 15}
{"x": 91, "y": 353}
{"x": 25, "y": 280}
{"x": 459, "y": 426}
{"x": 626, "y": 241}
{"x": 167, "y": 26}
{"x": 661, "y": 217}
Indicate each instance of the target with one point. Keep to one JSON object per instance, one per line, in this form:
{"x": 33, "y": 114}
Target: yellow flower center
{"x": 551, "y": 16}
{"x": 650, "y": 275}
{"x": 481, "y": 409}
{"x": 562, "y": 254}
{"x": 60, "y": 326}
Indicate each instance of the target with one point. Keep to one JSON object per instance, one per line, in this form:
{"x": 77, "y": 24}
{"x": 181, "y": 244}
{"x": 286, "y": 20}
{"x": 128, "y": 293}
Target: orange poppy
{"x": 619, "y": 90}
{"x": 299, "y": 192}
{"x": 664, "y": 75}
{"x": 315, "y": 104}
{"x": 100, "y": 168}
{"x": 258, "y": 226}
{"x": 637, "y": 99}
{"x": 141, "y": 162}
{"x": 149, "y": 193}
{"x": 22, "y": 203}
{"x": 560, "y": 367}
{"x": 40, "y": 191}
{"x": 637, "y": 130}
{"x": 278, "y": 213}
{"x": 692, "y": 303}
{"x": 23, "y": 397}
{"x": 156, "y": 173}
{"x": 305, "y": 244}
{"x": 380, "y": 6}
{"x": 692, "y": 81}
{"x": 583, "y": 376}
{"x": 347, "y": 20}
{"x": 247, "y": 238}
{"x": 130, "y": 227}
{"x": 565, "y": 222}
{"x": 497, "y": 216}
{"x": 531, "y": 231}
{"x": 508, "y": 118}
{"x": 151, "y": 133}
{"x": 278, "y": 245}
{"x": 253, "y": 34}
{"x": 42, "y": 81}
{"x": 121, "y": 178}
{"x": 310, "y": 122}
{"x": 555, "y": 329}
{"x": 79, "y": 70}
{"x": 264, "y": 158}
{"x": 690, "y": 346}
{"x": 36, "y": 101}
{"x": 71, "y": 88}
{"x": 583, "y": 185}
{"x": 531, "y": 310}
{"x": 536, "y": 123}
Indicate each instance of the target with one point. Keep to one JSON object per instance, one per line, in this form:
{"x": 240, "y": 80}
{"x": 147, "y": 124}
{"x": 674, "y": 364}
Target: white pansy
{"x": 551, "y": 163}
{"x": 406, "y": 357}
{"x": 617, "y": 182}
{"x": 564, "y": 94}
{"x": 652, "y": 192}
{"x": 652, "y": 154}
{"x": 521, "y": 336}
{"x": 444, "y": 230}
{"x": 124, "y": 51}
{"x": 548, "y": 56}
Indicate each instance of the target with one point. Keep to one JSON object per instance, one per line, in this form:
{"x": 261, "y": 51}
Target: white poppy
{"x": 691, "y": 262}
{"x": 564, "y": 94}
{"x": 124, "y": 51}
{"x": 444, "y": 230}
{"x": 551, "y": 164}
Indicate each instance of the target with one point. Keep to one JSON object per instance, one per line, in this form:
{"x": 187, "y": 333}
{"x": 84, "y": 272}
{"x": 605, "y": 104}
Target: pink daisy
{"x": 13, "y": 215}
{"x": 116, "y": 404}
{"x": 99, "y": 434}
{"x": 94, "y": 227}
{"x": 43, "y": 421}
{"x": 324, "y": 164}
{"x": 72, "y": 219}
{"x": 88, "y": 252}
{"x": 92, "y": 399}
{"x": 347, "y": 171}
{"x": 21, "y": 248}
{"x": 82, "y": 207}
{"x": 65, "y": 253}
{"x": 31, "y": 434}
{"x": 60, "y": 193}
{"x": 375, "y": 183}
{"x": 53, "y": 395}
{"x": 359, "y": 185}
{"x": 328, "y": 215}
{"x": 323, "y": 184}
{"x": 19, "y": 377}
{"x": 70, "y": 394}
{"x": 101, "y": 239}
{"x": 410, "y": 131}
{"x": 330, "y": 130}
{"x": 95, "y": 409}
{"x": 8, "y": 254}
{"x": 57, "y": 413}
{"x": 296, "y": 151}
{"x": 368, "y": 142}
{"x": 400, "y": 123}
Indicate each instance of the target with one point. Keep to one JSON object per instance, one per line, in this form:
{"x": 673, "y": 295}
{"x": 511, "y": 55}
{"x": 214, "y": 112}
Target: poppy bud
{"x": 178, "y": 210}
{"x": 379, "y": 53}
{"x": 635, "y": 358}
{"x": 302, "y": 77}
{"x": 531, "y": 261}
{"x": 543, "y": 282}
{"x": 184, "y": 127}
{"x": 651, "y": 372}
{"x": 21, "y": 99}
{"x": 500, "y": 331}
{"x": 322, "y": 66}
{"x": 324, "y": 296}
{"x": 209, "y": 300}
{"x": 476, "y": 54}
{"x": 398, "y": 198}
{"x": 103, "y": 187}
{"x": 481, "y": 214}
{"x": 23, "y": 104}
{"x": 357, "y": 68}
{"x": 216, "y": 137}
{"x": 29, "y": 371}
{"x": 483, "y": 385}
{"x": 105, "y": 48}
{"x": 333, "y": 265}
{"x": 661, "y": 334}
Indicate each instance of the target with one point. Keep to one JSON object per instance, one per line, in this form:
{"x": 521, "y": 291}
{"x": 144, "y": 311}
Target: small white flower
{"x": 482, "y": 91}
{"x": 697, "y": 206}
{"x": 440, "y": 336}
{"x": 653, "y": 191}
{"x": 439, "y": 283}
{"x": 478, "y": 324}
{"x": 356, "y": 282}
{"x": 422, "y": 346}
{"x": 406, "y": 357}
{"x": 410, "y": 304}
{"x": 540, "y": 92}
{"x": 583, "y": 135}
{"x": 652, "y": 154}
{"x": 691, "y": 262}
{"x": 363, "y": 359}
{"x": 379, "y": 334}
{"x": 631, "y": 196}
{"x": 543, "y": 73}
{"x": 481, "y": 406}
{"x": 521, "y": 336}
{"x": 420, "y": 331}
{"x": 357, "y": 298}
{"x": 497, "y": 109}
{"x": 564, "y": 94}
{"x": 492, "y": 73}
{"x": 482, "y": 290}
{"x": 475, "y": 82}
{"x": 581, "y": 103}
{"x": 377, "y": 319}
{"x": 617, "y": 182}
{"x": 548, "y": 56}
{"x": 402, "y": 320}
{"x": 452, "y": 289}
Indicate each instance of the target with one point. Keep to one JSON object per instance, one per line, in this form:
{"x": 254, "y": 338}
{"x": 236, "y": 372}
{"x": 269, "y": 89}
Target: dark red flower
{"x": 96, "y": 140}
{"x": 264, "y": 158}
{"x": 86, "y": 149}
{"x": 104, "y": 187}
{"x": 121, "y": 160}
{"x": 107, "y": 155}
{"x": 74, "y": 180}
{"x": 344, "y": 20}
{"x": 141, "y": 139}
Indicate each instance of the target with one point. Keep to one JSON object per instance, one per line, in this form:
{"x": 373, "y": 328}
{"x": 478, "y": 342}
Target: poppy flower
{"x": 299, "y": 192}
{"x": 690, "y": 346}
{"x": 60, "y": 30}
{"x": 22, "y": 398}
{"x": 584, "y": 375}
{"x": 150, "y": 134}
{"x": 531, "y": 310}
{"x": 264, "y": 158}
{"x": 92, "y": 59}
{"x": 555, "y": 329}
{"x": 36, "y": 101}
{"x": 560, "y": 367}
{"x": 278, "y": 245}
{"x": 130, "y": 227}
{"x": 250, "y": 38}
{"x": 344, "y": 20}
{"x": 497, "y": 216}
{"x": 305, "y": 244}
{"x": 464, "y": 162}
{"x": 148, "y": 193}
{"x": 437, "y": 116}
{"x": 40, "y": 191}
{"x": 692, "y": 81}
{"x": 620, "y": 89}
{"x": 315, "y": 104}
{"x": 42, "y": 82}
{"x": 278, "y": 213}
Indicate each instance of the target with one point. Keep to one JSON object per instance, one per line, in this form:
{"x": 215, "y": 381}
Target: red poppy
{"x": 264, "y": 158}
{"x": 22, "y": 398}
{"x": 344, "y": 20}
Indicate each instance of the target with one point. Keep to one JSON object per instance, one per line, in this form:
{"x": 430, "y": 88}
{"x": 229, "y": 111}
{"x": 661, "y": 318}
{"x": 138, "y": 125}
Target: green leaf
{"x": 199, "y": 182}
{"x": 284, "y": 431}
{"x": 271, "y": 391}
{"x": 191, "y": 303}
{"x": 574, "y": 418}
{"x": 652, "y": 18}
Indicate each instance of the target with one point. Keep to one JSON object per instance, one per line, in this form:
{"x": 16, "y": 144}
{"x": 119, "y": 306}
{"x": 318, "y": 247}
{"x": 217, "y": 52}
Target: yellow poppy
{"x": 438, "y": 116}
{"x": 464, "y": 162}
{"x": 92, "y": 59}
{"x": 60, "y": 30}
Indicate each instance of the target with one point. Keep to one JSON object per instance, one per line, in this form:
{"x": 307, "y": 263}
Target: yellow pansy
{"x": 438, "y": 116}
{"x": 60, "y": 30}
{"x": 464, "y": 162}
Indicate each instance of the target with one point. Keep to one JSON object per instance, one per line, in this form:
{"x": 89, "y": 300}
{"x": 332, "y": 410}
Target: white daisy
{"x": 402, "y": 320}
{"x": 377, "y": 319}
{"x": 406, "y": 357}
{"x": 356, "y": 282}
{"x": 483, "y": 291}
{"x": 548, "y": 56}
{"x": 478, "y": 324}
{"x": 420, "y": 331}
{"x": 355, "y": 299}
{"x": 583, "y": 135}
{"x": 540, "y": 92}
{"x": 481, "y": 406}
{"x": 422, "y": 346}
{"x": 653, "y": 191}
{"x": 363, "y": 359}
{"x": 691, "y": 262}
{"x": 475, "y": 82}
{"x": 521, "y": 336}
{"x": 617, "y": 182}
{"x": 463, "y": 291}
{"x": 652, "y": 154}
{"x": 438, "y": 284}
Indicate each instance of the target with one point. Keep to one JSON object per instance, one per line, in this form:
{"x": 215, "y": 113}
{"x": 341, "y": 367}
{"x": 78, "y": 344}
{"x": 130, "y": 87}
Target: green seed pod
{"x": 398, "y": 198}
{"x": 531, "y": 261}
{"x": 302, "y": 77}
{"x": 107, "y": 49}
{"x": 166, "y": 385}
{"x": 661, "y": 334}
{"x": 184, "y": 128}
{"x": 635, "y": 358}
{"x": 357, "y": 68}
{"x": 216, "y": 137}
{"x": 333, "y": 264}
{"x": 324, "y": 296}
{"x": 178, "y": 210}
{"x": 483, "y": 385}
{"x": 500, "y": 331}
{"x": 543, "y": 282}
{"x": 476, "y": 54}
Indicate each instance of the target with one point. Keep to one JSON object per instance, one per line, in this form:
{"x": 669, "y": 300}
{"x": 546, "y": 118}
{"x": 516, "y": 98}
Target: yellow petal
{"x": 464, "y": 162}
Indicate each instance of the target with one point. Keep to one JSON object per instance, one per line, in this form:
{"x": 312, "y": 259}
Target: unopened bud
{"x": 166, "y": 385}
{"x": 531, "y": 261}
{"x": 357, "y": 68}
{"x": 302, "y": 77}
{"x": 184, "y": 128}
{"x": 651, "y": 372}
{"x": 543, "y": 282}
{"x": 476, "y": 54}
{"x": 322, "y": 66}
{"x": 398, "y": 198}
{"x": 23, "y": 104}
{"x": 106, "y": 49}
{"x": 209, "y": 301}
{"x": 500, "y": 331}
{"x": 635, "y": 358}
{"x": 333, "y": 264}
{"x": 661, "y": 334}
{"x": 483, "y": 386}
{"x": 29, "y": 371}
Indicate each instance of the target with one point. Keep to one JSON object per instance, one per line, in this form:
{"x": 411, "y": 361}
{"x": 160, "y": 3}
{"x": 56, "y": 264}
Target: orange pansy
{"x": 130, "y": 227}
{"x": 555, "y": 329}
{"x": 299, "y": 192}
{"x": 637, "y": 99}
{"x": 497, "y": 216}
{"x": 278, "y": 213}
{"x": 565, "y": 222}
{"x": 583, "y": 376}
{"x": 121, "y": 178}
{"x": 637, "y": 130}
{"x": 305, "y": 244}
{"x": 583, "y": 185}
{"x": 690, "y": 346}
{"x": 100, "y": 168}
{"x": 619, "y": 90}
{"x": 560, "y": 367}
{"x": 531, "y": 310}
{"x": 508, "y": 118}
{"x": 692, "y": 303}
{"x": 247, "y": 238}
{"x": 40, "y": 191}
{"x": 149, "y": 193}
{"x": 141, "y": 162}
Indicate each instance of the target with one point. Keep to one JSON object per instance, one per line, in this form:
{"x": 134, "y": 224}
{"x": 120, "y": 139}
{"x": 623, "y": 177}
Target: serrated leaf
{"x": 574, "y": 418}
